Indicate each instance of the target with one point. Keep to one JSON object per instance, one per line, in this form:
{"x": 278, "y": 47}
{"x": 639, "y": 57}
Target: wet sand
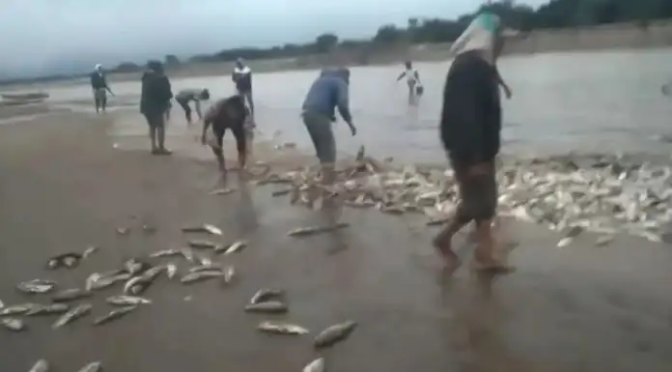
{"x": 64, "y": 187}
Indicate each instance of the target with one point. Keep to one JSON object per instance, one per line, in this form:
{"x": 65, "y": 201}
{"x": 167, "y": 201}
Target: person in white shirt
{"x": 412, "y": 80}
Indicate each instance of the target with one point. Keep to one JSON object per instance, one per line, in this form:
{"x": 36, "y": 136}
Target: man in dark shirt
{"x": 154, "y": 103}
{"x": 100, "y": 88}
{"x": 242, "y": 77}
{"x": 229, "y": 113}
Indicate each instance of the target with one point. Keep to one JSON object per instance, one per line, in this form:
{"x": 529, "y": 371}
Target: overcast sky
{"x": 37, "y": 35}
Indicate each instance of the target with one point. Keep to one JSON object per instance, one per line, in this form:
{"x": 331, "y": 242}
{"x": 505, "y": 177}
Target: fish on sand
{"x": 72, "y": 294}
{"x": 40, "y": 366}
{"x": 271, "y": 307}
{"x": 50, "y": 309}
{"x": 92, "y": 367}
{"x": 72, "y": 315}
{"x": 316, "y": 365}
{"x": 36, "y": 286}
{"x": 114, "y": 314}
{"x": 335, "y": 333}
{"x": 224, "y": 191}
{"x": 17, "y": 309}
{"x": 282, "y": 328}
{"x": 203, "y": 244}
{"x": 234, "y": 247}
{"x": 123, "y": 300}
{"x": 201, "y": 275}
{"x": 312, "y": 230}
{"x": 265, "y": 294}
{"x": 205, "y": 228}
{"x": 13, "y": 324}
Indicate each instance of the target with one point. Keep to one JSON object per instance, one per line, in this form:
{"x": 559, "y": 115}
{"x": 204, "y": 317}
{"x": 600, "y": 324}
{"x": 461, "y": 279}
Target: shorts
{"x": 478, "y": 194}
{"x": 100, "y": 95}
{"x": 239, "y": 133}
{"x": 322, "y": 135}
{"x": 156, "y": 120}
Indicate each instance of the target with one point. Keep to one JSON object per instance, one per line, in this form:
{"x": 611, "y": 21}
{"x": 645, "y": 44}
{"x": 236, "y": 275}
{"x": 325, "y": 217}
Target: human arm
{"x": 502, "y": 83}
{"x": 417, "y": 77}
{"x": 401, "y": 76}
{"x": 197, "y": 107}
{"x": 343, "y": 105}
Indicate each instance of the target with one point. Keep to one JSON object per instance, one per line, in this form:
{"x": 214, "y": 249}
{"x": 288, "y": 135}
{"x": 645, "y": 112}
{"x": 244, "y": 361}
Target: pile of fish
{"x": 607, "y": 195}
{"x": 136, "y": 275}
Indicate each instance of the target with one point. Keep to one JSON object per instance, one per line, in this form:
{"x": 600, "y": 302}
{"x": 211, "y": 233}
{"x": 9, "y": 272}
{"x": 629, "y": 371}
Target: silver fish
{"x": 212, "y": 267}
{"x": 13, "y": 324}
{"x": 281, "y": 192}
{"x": 99, "y": 281}
{"x": 92, "y": 367}
{"x": 222, "y": 191}
{"x": 205, "y": 228}
{"x": 236, "y": 246}
{"x": 135, "y": 285}
{"x": 69, "y": 260}
{"x": 312, "y": 230}
{"x": 229, "y": 273}
{"x": 282, "y": 328}
{"x": 72, "y": 315}
{"x": 265, "y": 294}
{"x": 604, "y": 240}
{"x": 153, "y": 272}
{"x": 36, "y": 286}
{"x": 267, "y": 307}
{"x": 122, "y": 230}
{"x": 89, "y": 251}
{"x": 565, "y": 242}
{"x": 212, "y": 229}
{"x": 171, "y": 270}
{"x": 71, "y": 295}
{"x": 48, "y": 309}
{"x": 134, "y": 266}
{"x": 335, "y": 333}
{"x": 204, "y": 260}
{"x": 202, "y": 244}
{"x": 17, "y": 309}
{"x": 201, "y": 275}
{"x": 166, "y": 253}
{"x": 40, "y": 366}
{"x": 114, "y": 314}
{"x": 122, "y": 300}
{"x": 316, "y": 365}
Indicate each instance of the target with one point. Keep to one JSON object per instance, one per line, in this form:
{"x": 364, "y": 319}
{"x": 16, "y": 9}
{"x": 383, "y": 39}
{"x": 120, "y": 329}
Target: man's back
{"x": 156, "y": 93}
{"x": 98, "y": 80}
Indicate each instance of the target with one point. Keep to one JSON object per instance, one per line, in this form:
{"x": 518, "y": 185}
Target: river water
{"x": 598, "y": 101}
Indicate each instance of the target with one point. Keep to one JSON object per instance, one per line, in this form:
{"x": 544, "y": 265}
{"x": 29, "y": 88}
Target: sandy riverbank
{"x": 64, "y": 187}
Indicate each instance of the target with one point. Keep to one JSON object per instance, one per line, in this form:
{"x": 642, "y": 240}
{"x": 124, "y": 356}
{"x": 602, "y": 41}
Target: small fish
{"x": 202, "y": 244}
{"x": 153, "y": 272}
{"x": 48, "y": 309}
{"x": 13, "y": 324}
{"x": 564, "y": 242}
{"x": 89, "y": 251}
{"x": 166, "y": 253}
{"x": 211, "y": 267}
{"x": 114, "y": 314}
{"x": 335, "y": 333}
{"x": 72, "y": 315}
{"x": 123, "y": 300}
{"x": 222, "y": 191}
{"x": 97, "y": 281}
{"x": 312, "y": 230}
{"x": 204, "y": 260}
{"x": 604, "y": 240}
{"x": 229, "y": 273}
{"x": 71, "y": 295}
{"x": 92, "y": 367}
{"x": 267, "y": 307}
{"x": 40, "y": 366}
{"x": 134, "y": 266}
{"x": 235, "y": 247}
{"x": 36, "y": 286}
{"x": 212, "y": 229}
{"x": 282, "y": 328}
{"x": 68, "y": 260}
{"x": 201, "y": 275}
{"x": 265, "y": 294}
{"x": 17, "y": 309}
{"x": 171, "y": 270}
{"x": 281, "y": 192}
{"x": 123, "y": 231}
{"x": 316, "y": 365}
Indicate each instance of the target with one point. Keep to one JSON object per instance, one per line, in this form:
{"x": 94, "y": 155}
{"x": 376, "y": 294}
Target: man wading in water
{"x": 100, "y": 88}
{"x": 229, "y": 113}
{"x": 154, "y": 104}
{"x": 412, "y": 80}
{"x": 328, "y": 92}
{"x": 470, "y": 132}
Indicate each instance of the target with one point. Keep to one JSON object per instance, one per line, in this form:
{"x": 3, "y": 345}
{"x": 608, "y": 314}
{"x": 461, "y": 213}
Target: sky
{"x": 47, "y": 36}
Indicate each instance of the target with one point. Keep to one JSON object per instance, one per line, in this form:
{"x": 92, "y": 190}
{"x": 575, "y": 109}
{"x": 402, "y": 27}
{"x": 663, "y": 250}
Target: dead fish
{"x": 236, "y": 246}
{"x": 50, "y": 309}
{"x": 36, "y": 286}
{"x": 72, "y": 315}
{"x": 267, "y": 307}
{"x": 40, "y": 366}
{"x": 137, "y": 284}
{"x": 13, "y": 324}
{"x": 92, "y": 367}
{"x": 224, "y": 191}
{"x": 212, "y": 267}
{"x": 17, "y": 309}
{"x": 123, "y": 300}
{"x": 97, "y": 281}
{"x": 202, "y": 244}
{"x": 265, "y": 294}
{"x": 312, "y": 230}
{"x": 205, "y": 228}
{"x": 122, "y": 231}
{"x": 89, "y": 251}
{"x": 604, "y": 240}
{"x": 564, "y": 242}
{"x": 201, "y": 275}
{"x": 134, "y": 266}
{"x": 68, "y": 260}
{"x": 114, "y": 314}
{"x": 212, "y": 229}
{"x": 204, "y": 260}
{"x": 229, "y": 273}
{"x": 281, "y": 192}
{"x": 171, "y": 270}
{"x": 316, "y": 365}
{"x": 282, "y": 328}
{"x": 166, "y": 253}
{"x": 71, "y": 295}
{"x": 335, "y": 333}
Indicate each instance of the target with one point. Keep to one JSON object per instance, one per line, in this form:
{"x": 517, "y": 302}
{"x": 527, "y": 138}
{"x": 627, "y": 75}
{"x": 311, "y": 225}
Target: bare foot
{"x": 452, "y": 261}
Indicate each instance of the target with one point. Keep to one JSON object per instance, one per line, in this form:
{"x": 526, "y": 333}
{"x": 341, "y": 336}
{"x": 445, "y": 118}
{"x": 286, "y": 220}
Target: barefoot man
{"x": 470, "y": 132}
{"x": 229, "y": 113}
{"x": 154, "y": 104}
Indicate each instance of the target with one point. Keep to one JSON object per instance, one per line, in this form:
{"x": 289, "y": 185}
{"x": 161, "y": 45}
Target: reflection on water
{"x": 582, "y": 101}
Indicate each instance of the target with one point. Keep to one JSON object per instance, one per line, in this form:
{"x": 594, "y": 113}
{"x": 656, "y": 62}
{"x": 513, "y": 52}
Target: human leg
{"x": 151, "y": 124}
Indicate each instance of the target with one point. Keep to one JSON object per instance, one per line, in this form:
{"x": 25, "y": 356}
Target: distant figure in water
{"x": 184, "y": 97}
{"x": 470, "y": 129}
{"x": 229, "y": 113}
{"x": 100, "y": 88}
{"x": 154, "y": 104}
{"x": 412, "y": 80}
{"x": 242, "y": 77}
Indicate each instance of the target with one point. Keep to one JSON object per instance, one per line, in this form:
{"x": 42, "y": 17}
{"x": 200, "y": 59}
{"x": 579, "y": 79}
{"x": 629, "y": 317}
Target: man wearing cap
{"x": 100, "y": 88}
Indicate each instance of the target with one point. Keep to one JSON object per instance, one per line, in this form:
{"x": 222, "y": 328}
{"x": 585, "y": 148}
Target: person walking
{"x": 100, "y": 88}
{"x": 242, "y": 77}
{"x": 154, "y": 104}
{"x": 470, "y": 131}
{"x": 412, "y": 80}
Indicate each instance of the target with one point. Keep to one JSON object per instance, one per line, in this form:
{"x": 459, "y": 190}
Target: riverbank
{"x": 65, "y": 186}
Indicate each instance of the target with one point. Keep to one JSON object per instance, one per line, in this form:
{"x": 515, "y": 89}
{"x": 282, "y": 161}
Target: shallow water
{"x": 606, "y": 101}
